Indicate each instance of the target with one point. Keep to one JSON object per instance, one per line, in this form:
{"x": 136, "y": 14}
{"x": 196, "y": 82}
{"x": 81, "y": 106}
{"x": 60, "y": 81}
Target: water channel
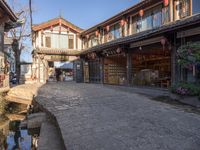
{"x": 14, "y": 134}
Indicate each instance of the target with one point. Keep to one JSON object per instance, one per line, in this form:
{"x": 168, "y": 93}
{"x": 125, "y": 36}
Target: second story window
{"x": 93, "y": 40}
{"x": 182, "y": 9}
{"x": 114, "y": 32}
{"x": 48, "y": 41}
{"x": 71, "y": 42}
{"x": 157, "y": 16}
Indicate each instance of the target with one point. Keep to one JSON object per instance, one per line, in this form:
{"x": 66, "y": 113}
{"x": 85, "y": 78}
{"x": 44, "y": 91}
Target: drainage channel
{"x": 29, "y": 128}
{"x": 15, "y": 131}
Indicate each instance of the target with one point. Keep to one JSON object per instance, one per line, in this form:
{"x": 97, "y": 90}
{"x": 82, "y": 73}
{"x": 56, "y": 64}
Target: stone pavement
{"x": 95, "y": 117}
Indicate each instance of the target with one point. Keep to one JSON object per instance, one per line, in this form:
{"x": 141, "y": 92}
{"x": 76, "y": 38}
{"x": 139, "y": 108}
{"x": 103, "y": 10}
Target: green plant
{"x": 184, "y": 88}
{"x": 189, "y": 55}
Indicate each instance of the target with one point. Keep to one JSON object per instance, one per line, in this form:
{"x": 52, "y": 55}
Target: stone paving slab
{"x": 94, "y": 117}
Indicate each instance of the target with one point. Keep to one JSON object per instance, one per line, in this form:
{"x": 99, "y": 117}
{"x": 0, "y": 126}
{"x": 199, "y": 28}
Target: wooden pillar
{"x": 174, "y": 71}
{"x": 102, "y": 69}
{"x": 129, "y": 68}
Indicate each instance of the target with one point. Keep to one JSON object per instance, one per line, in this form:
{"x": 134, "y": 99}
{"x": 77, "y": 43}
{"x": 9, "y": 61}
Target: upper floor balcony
{"x": 146, "y": 15}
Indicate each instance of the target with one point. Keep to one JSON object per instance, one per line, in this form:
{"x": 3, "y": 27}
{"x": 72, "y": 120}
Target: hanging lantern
{"x": 119, "y": 50}
{"x": 163, "y": 42}
{"x": 88, "y": 55}
{"x": 122, "y": 22}
{"x": 97, "y": 33}
{"x": 87, "y": 36}
{"x": 93, "y": 55}
{"x": 166, "y": 3}
{"x": 107, "y": 28}
{"x": 141, "y": 13}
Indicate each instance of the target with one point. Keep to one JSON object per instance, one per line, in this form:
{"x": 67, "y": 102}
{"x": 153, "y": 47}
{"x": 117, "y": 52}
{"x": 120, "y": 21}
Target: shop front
{"x": 151, "y": 65}
{"x": 94, "y": 70}
{"x": 115, "y": 69}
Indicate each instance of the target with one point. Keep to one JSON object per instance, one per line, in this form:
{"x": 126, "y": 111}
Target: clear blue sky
{"x": 83, "y": 13}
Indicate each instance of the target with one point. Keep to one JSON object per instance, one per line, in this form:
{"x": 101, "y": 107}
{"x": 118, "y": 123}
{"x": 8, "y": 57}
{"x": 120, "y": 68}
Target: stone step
{"x": 35, "y": 120}
{"x": 18, "y": 100}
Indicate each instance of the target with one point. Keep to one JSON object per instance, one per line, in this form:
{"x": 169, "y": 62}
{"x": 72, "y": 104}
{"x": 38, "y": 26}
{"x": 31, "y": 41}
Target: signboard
{"x": 57, "y": 58}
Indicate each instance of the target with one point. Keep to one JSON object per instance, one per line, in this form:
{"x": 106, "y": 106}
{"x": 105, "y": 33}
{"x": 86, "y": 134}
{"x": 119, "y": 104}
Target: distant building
{"x": 137, "y": 46}
{"x": 26, "y": 73}
{"x": 8, "y": 18}
{"x": 9, "y": 54}
{"x": 56, "y": 40}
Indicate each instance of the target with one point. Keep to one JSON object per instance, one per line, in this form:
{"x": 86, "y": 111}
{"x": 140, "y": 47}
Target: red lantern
{"x": 163, "y": 41}
{"x": 93, "y": 55}
{"x": 166, "y": 2}
{"x": 97, "y": 33}
{"x": 119, "y": 50}
{"x": 122, "y": 22}
{"x": 141, "y": 12}
{"x": 107, "y": 28}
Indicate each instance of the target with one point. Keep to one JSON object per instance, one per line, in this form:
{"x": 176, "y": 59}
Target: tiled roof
{"x": 8, "y": 10}
{"x": 54, "y": 22}
{"x": 146, "y": 34}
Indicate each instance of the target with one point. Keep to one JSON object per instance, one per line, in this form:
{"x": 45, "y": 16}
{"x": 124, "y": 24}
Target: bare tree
{"x": 21, "y": 35}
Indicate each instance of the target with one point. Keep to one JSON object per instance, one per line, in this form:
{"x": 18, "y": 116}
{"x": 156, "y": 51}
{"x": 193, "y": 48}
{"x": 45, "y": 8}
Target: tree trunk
{"x": 15, "y": 46}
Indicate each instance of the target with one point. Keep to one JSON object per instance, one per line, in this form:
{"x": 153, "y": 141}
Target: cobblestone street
{"x": 95, "y": 117}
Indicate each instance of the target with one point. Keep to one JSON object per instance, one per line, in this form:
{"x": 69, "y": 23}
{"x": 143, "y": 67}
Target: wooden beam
{"x": 3, "y": 19}
{"x": 146, "y": 42}
{"x": 190, "y": 32}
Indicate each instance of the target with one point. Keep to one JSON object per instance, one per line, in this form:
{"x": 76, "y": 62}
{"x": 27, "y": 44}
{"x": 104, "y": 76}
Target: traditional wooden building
{"x": 56, "y": 40}
{"x": 138, "y": 46}
{"x": 7, "y": 21}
